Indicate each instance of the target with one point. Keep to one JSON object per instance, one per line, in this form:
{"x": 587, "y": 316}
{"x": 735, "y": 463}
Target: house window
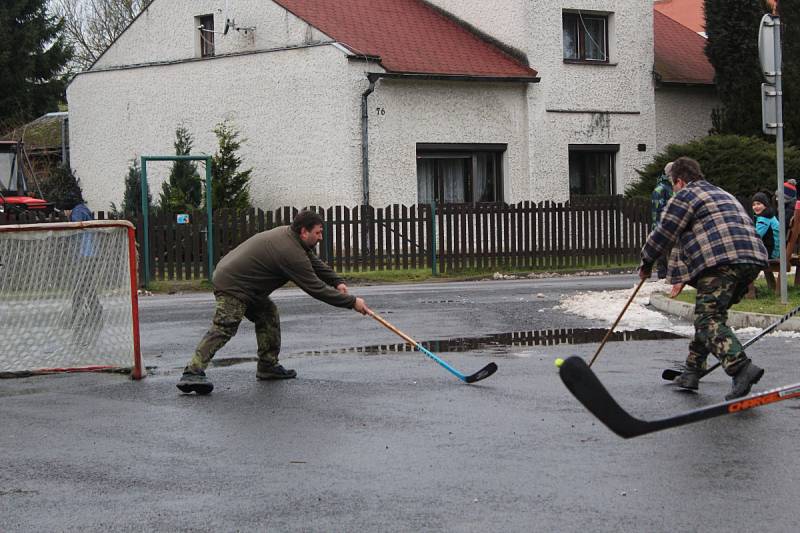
{"x": 459, "y": 173}
{"x": 205, "y": 27}
{"x": 592, "y": 169}
{"x": 585, "y": 37}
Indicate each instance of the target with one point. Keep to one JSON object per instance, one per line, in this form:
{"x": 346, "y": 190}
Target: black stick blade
{"x": 483, "y": 373}
{"x": 670, "y": 374}
{"x": 584, "y": 385}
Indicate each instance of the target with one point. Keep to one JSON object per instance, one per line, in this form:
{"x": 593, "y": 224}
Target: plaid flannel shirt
{"x": 708, "y": 227}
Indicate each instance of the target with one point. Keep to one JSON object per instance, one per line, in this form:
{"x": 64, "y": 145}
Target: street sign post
{"x": 769, "y": 55}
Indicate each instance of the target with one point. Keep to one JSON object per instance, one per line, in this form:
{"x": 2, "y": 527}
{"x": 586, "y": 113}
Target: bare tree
{"x": 90, "y": 26}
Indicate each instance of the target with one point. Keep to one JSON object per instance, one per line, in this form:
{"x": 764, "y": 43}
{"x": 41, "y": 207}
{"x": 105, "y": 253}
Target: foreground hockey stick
{"x": 585, "y": 386}
{"x": 670, "y": 374}
{"x": 483, "y": 373}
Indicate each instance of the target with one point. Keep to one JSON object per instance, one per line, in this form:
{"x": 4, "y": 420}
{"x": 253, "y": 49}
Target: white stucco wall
{"x": 591, "y": 104}
{"x": 563, "y": 108}
{"x": 504, "y": 20}
{"x": 683, "y": 114}
{"x": 443, "y": 112}
{"x": 167, "y": 31}
{"x": 298, "y": 110}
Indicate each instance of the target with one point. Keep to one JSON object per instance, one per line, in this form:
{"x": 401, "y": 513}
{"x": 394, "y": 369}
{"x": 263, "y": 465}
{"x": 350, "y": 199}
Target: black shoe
{"x": 191, "y": 382}
{"x": 744, "y": 380}
{"x": 689, "y": 378}
{"x": 275, "y": 372}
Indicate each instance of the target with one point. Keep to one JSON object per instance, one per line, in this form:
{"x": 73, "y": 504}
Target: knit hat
{"x": 789, "y": 191}
{"x": 762, "y": 198}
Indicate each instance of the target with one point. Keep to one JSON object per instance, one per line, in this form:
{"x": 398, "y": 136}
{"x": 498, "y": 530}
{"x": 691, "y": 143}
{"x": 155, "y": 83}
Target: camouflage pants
{"x": 717, "y": 290}
{"x": 228, "y": 315}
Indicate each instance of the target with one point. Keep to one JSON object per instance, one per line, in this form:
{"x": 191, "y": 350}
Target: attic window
{"x": 205, "y": 27}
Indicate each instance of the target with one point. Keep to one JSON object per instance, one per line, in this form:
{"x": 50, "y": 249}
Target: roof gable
{"x": 680, "y": 53}
{"x": 409, "y": 36}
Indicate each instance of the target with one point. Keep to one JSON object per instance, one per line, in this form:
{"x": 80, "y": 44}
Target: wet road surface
{"x": 372, "y": 437}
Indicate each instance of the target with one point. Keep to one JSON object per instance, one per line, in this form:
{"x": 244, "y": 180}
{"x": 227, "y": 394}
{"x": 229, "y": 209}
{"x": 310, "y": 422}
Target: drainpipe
{"x": 365, "y": 139}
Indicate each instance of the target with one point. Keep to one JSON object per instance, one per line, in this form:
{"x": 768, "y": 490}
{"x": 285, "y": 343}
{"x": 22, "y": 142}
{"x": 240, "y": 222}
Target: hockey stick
{"x": 639, "y": 286}
{"x": 670, "y": 374}
{"x": 483, "y": 373}
{"x": 584, "y": 385}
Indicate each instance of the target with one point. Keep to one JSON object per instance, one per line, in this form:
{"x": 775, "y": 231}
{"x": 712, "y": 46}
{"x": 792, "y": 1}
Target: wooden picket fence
{"x": 527, "y": 235}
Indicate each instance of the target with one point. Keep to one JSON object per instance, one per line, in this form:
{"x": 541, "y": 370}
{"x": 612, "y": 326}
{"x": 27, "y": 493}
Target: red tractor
{"x": 15, "y": 195}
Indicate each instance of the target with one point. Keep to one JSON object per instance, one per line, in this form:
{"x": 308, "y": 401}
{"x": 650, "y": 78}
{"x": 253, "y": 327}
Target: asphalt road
{"x": 386, "y": 440}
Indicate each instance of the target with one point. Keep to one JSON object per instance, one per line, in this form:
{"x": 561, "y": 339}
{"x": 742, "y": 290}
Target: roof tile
{"x": 680, "y": 53}
{"x": 408, "y": 36}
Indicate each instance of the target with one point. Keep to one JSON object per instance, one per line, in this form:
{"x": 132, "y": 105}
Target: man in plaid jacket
{"x": 717, "y": 251}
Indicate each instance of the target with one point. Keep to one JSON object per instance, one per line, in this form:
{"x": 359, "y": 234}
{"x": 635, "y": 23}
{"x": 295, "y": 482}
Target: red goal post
{"x": 68, "y": 298}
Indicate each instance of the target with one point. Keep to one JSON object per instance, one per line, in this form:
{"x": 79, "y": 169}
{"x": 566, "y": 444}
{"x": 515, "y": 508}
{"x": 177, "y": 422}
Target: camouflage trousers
{"x": 228, "y": 315}
{"x": 717, "y": 290}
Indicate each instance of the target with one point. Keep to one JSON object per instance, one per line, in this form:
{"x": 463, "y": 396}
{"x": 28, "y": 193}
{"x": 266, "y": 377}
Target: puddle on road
{"x": 496, "y": 343}
{"x": 501, "y": 342}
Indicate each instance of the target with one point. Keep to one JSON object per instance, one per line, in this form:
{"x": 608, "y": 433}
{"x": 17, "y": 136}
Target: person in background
{"x": 74, "y": 207}
{"x": 787, "y": 199}
{"x": 767, "y": 225}
{"x": 658, "y": 200}
{"x": 717, "y": 251}
{"x": 87, "y": 310}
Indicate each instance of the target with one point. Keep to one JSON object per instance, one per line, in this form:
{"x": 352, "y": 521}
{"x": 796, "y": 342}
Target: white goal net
{"x": 68, "y": 298}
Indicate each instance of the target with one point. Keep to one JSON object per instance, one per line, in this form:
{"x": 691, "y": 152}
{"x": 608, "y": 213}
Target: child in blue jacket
{"x": 767, "y": 224}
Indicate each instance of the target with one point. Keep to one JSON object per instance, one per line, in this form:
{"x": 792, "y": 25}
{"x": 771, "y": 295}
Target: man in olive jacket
{"x": 243, "y": 281}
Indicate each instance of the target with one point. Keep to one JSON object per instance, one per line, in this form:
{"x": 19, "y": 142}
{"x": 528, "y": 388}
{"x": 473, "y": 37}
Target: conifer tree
{"x": 732, "y": 49}
{"x": 132, "y": 197}
{"x": 62, "y": 182}
{"x": 32, "y": 57}
{"x": 183, "y": 190}
{"x": 789, "y": 11}
{"x": 229, "y": 185}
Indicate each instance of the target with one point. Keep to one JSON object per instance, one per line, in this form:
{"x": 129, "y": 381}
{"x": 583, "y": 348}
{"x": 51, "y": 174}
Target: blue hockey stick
{"x": 483, "y": 373}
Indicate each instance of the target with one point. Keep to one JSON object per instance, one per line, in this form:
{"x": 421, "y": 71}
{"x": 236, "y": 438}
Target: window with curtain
{"x": 459, "y": 173}
{"x": 592, "y": 170}
{"x": 585, "y": 37}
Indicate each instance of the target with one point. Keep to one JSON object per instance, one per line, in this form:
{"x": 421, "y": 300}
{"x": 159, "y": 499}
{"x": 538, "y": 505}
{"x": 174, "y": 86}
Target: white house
{"x": 379, "y": 101}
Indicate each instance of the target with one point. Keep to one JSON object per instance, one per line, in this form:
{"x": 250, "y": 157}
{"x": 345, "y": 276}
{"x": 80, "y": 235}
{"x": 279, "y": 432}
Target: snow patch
{"x": 605, "y": 306}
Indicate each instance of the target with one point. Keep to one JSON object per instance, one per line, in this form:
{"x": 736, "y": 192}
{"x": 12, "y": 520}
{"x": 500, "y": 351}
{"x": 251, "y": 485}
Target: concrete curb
{"x": 736, "y": 319}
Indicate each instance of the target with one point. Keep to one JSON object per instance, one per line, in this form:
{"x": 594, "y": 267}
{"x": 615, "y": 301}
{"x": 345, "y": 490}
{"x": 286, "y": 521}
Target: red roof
{"x": 409, "y": 36}
{"x": 690, "y": 13}
{"x": 680, "y": 53}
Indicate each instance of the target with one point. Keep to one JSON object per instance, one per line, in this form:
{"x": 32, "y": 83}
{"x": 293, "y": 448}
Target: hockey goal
{"x": 68, "y": 299}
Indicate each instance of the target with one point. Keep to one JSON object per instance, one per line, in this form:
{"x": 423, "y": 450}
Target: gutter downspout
{"x": 365, "y": 139}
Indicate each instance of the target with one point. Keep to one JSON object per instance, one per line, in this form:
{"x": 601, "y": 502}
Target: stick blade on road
{"x": 584, "y": 385}
{"x": 483, "y": 373}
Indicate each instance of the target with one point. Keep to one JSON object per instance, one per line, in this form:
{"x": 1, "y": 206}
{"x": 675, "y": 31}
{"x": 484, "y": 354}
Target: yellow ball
{"x": 559, "y": 362}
